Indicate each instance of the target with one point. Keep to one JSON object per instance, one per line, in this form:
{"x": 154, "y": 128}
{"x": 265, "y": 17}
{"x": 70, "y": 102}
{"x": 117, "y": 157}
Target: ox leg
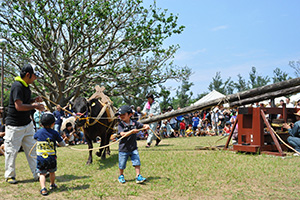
{"x": 90, "y": 145}
{"x": 103, "y": 155}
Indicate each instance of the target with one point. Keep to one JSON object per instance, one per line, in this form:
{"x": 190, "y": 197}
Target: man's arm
{"x": 27, "y": 107}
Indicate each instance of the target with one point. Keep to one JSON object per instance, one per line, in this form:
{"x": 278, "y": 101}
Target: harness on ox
{"x": 107, "y": 108}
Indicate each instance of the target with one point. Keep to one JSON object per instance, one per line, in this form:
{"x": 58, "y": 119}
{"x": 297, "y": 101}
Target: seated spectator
{"x": 210, "y": 131}
{"x": 227, "y": 129}
{"x": 199, "y": 132}
{"x": 163, "y": 131}
{"x": 69, "y": 134}
{"x": 170, "y": 130}
{"x": 189, "y": 132}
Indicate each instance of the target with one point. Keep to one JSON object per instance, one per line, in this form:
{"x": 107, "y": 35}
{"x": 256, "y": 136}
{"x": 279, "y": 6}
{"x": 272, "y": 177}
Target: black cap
{"x": 124, "y": 109}
{"x": 150, "y": 96}
{"x": 47, "y": 119}
{"x": 31, "y": 70}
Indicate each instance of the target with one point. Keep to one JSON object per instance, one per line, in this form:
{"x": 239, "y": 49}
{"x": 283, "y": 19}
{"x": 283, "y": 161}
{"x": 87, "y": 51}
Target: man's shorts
{"x": 123, "y": 157}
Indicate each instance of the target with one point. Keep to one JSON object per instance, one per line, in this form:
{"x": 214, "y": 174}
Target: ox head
{"x": 80, "y": 107}
{"x": 85, "y": 109}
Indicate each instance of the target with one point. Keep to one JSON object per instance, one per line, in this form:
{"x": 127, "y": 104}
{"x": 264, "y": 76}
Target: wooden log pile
{"x": 239, "y": 99}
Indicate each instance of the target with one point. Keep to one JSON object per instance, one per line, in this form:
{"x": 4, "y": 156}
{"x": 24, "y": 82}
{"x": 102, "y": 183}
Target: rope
{"x": 154, "y": 132}
{"x": 238, "y": 95}
{"x": 127, "y": 134}
{"x": 87, "y": 118}
{"x": 285, "y": 143}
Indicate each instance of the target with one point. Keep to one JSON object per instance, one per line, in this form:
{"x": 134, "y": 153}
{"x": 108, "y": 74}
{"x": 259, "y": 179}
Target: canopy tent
{"x": 209, "y": 97}
{"x": 295, "y": 98}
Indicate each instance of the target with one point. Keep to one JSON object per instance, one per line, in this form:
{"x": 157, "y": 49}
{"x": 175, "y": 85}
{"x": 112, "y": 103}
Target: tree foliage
{"x": 279, "y": 75}
{"x": 296, "y": 66}
{"x": 78, "y": 44}
{"x": 183, "y": 93}
{"x": 256, "y": 80}
{"x": 219, "y": 85}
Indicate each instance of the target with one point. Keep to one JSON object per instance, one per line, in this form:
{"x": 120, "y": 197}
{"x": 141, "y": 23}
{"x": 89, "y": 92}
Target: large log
{"x": 230, "y": 98}
{"x": 266, "y": 96}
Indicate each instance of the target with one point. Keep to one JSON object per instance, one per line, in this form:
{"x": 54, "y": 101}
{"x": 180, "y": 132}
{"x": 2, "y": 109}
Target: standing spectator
{"x": 2, "y": 134}
{"x": 37, "y": 118}
{"x": 58, "y": 114}
{"x": 19, "y": 128}
{"x": 298, "y": 104}
{"x": 233, "y": 117}
{"x": 196, "y": 121}
{"x": 151, "y": 108}
{"x": 288, "y": 103}
{"x": 182, "y": 128}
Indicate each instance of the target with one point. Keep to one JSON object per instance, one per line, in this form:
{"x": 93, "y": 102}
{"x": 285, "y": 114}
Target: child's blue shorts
{"x": 123, "y": 157}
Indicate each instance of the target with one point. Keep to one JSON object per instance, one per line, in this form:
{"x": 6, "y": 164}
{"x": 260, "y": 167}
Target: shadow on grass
{"x": 149, "y": 179}
{"x": 109, "y": 162}
{"x": 64, "y": 187}
{"x": 69, "y": 177}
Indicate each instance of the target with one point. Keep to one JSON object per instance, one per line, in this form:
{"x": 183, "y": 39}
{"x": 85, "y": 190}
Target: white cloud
{"x": 219, "y": 28}
{"x": 187, "y": 55}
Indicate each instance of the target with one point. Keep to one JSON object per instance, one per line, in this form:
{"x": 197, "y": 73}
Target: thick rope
{"x": 127, "y": 134}
{"x": 285, "y": 143}
{"x": 87, "y": 118}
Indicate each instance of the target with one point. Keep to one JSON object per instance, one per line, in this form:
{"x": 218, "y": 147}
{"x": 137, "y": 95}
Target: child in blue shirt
{"x": 128, "y": 144}
{"x": 46, "y": 151}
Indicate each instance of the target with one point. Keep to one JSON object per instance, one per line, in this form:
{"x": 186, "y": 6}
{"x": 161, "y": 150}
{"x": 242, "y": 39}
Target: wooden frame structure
{"x": 256, "y": 133}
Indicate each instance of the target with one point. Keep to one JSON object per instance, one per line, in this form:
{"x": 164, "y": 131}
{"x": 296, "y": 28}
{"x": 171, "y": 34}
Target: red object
{"x": 182, "y": 126}
{"x": 255, "y": 133}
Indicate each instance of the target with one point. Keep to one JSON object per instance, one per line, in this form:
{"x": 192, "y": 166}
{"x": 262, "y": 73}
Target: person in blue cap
{"x": 128, "y": 145}
{"x": 46, "y": 151}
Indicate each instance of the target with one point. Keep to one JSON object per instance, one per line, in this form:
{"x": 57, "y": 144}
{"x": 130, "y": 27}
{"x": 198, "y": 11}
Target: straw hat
{"x": 298, "y": 113}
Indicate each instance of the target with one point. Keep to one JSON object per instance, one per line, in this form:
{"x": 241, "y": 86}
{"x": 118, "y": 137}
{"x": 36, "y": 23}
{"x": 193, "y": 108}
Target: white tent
{"x": 209, "y": 97}
{"x": 295, "y": 98}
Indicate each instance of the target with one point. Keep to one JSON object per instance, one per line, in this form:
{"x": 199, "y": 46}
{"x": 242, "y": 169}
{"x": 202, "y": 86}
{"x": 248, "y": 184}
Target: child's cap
{"x": 47, "y": 119}
{"x": 123, "y": 109}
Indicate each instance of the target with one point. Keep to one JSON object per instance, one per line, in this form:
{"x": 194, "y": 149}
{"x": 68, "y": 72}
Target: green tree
{"x": 78, "y": 44}
{"x": 183, "y": 93}
{"x": 296, "y": 66}
{"x": 165, "y": 97}
{"x": 256, "y": 80}
{"x": 279, "y": 75}
{"x": 217, "y": 84}
{"x": 241, "y": 84}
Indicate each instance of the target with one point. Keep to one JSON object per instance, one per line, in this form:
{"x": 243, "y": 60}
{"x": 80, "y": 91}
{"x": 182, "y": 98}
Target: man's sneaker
{"x": 296, "y": 154}
{"x": 12, "y": 180}
{"x": 53, "y": 186}
{"x": 121, "y": 179}
{"x": 140, "y": 179}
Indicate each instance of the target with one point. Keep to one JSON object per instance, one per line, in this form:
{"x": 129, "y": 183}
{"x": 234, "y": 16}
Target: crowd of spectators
{"x": 210, "y": 122}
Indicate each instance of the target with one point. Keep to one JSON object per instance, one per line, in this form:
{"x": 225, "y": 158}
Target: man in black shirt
{"x": 19, "y": 128}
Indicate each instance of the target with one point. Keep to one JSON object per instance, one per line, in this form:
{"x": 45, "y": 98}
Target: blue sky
{"x": 231, "y": 36}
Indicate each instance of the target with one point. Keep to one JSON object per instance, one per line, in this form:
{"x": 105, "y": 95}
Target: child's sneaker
{"x": 121, "y": 179}
{"x": 140, "y": 179}
{"x": 53, "y": 186}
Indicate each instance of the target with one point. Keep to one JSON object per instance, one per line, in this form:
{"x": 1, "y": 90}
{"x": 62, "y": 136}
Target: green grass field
{"x": 174, "y": 170}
